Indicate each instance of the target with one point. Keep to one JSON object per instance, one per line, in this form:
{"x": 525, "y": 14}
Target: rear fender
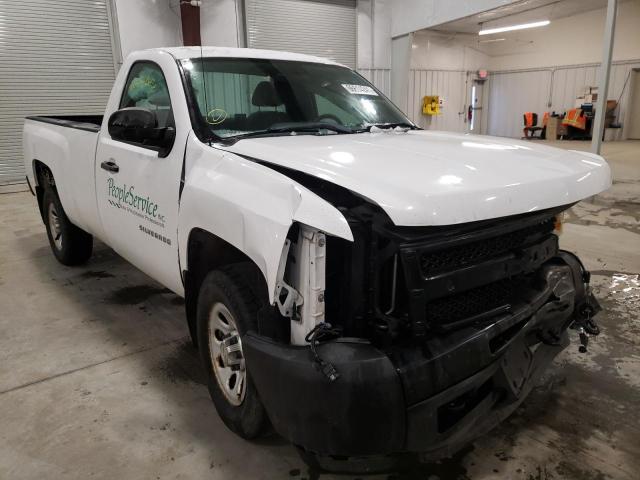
{"x": 41, "y": 143}
{"x": 69, "y": 154}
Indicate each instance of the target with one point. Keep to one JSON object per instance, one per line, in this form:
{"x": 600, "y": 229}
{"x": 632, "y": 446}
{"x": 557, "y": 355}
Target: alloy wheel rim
{"x": 227, "y": 359}
{"x": 54, "y": 226}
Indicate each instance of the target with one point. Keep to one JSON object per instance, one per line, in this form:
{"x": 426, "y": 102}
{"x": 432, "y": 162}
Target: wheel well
{"x": 207, "y": 252}
{"x": 43, "y": 178}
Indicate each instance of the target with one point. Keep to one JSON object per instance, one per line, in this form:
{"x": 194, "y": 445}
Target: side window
{"x": 146, "y": 87}
{"x": 330, "y": 110}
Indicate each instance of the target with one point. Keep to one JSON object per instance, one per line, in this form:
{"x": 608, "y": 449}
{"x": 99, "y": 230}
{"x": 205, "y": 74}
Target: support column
{"x": 605, "y": 69}
{"x": 400, "y": 64}
{"x": 190, "y": 17}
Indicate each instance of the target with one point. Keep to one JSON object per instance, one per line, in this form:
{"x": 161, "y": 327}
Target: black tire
{"x": 70, "y": 244}
{"x": 237, "y": 288}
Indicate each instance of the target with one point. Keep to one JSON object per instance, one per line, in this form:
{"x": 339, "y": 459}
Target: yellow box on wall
{"x": 431, "y": 105}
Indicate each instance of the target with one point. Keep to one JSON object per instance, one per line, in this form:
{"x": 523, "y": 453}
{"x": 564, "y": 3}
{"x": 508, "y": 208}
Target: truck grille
{"x": 470, "y": 304}
{"x": 477, "y": 251}
{"x": 469, "y": 274}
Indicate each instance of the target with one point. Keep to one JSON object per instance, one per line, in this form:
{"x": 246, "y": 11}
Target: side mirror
{"x": 139, "y": 126}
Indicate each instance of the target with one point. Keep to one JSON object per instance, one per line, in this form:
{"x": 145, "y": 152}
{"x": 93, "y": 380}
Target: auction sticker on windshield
{"x": 359, "y": 89}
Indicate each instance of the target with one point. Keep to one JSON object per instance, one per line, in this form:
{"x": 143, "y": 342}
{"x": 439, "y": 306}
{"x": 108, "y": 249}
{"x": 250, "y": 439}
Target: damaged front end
{"x": 436, "y": 333}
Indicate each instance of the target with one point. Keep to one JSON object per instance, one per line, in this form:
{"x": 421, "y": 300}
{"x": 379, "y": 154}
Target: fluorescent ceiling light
{"x": 493, "y": 40}
{"x": 514, "y": 27}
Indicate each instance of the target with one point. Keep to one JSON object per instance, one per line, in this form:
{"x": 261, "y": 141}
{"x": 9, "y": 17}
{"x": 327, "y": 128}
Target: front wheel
{"x": 70, "y": 244}
{"x": 228, "y": 306}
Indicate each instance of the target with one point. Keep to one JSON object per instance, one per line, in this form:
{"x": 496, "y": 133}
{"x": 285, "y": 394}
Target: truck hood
{"x": 438, "y": 178}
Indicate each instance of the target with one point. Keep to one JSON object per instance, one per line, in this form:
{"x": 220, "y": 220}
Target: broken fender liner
{"x": 362, "y": 413}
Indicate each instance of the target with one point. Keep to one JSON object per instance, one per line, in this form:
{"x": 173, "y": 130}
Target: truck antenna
{"x": 204, "y": 87}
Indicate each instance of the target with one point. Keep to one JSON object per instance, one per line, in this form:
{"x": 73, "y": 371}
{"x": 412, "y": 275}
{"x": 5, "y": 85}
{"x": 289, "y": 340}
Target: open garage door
{"x": 326, "y": 28}
{"x": 55, "y": 58}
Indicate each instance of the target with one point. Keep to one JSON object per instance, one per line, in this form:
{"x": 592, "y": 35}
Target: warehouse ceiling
{"x": 521, "y": 12}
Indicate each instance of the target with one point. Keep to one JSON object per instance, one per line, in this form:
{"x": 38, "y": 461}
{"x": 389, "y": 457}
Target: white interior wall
{"x": 543, "y": 69}
{"x": 221, "y": 23}
{"x": 533, "y": 70}
{"x": 442, "y": 64}
{"x": 449, "y": 85}
{"x": 413, "y": 15}
{"x": 156, "y": 23}
{"x": 441, "y": 51}
{"x": 374, "y": 42}
{"x": 400, "y": 68}
{"x": 147, "y": 24}
{"x": 546, "y": 90}
{"x": 573, "y": 40}
{"x": 512, "y": 94}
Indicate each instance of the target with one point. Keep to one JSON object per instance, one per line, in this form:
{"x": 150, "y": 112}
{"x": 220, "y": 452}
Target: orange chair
{"x": 531, "y": 125}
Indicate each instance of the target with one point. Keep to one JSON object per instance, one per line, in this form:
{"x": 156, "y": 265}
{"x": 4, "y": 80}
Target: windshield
{"x": 243, "y": 96}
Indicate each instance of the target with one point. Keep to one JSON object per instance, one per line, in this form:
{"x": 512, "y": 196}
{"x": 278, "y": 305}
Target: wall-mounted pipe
{"x": 563, "y": 67}
{"x": 190, "y": 17}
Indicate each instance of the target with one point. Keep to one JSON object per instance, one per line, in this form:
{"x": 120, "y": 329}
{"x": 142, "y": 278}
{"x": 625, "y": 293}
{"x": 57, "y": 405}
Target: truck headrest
{"x": 265, "y": 95}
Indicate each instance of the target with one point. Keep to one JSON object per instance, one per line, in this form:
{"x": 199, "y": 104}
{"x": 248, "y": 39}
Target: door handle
{"x": 110, "y": 166}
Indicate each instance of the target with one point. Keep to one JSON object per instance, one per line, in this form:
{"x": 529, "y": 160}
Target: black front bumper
{"x": 431, "y": 398}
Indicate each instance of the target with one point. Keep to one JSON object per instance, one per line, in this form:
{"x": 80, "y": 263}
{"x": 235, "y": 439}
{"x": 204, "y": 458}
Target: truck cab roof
{"x": 229, "y": 52}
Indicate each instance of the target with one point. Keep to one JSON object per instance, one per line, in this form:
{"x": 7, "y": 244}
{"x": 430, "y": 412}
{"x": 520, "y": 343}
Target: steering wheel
{"x": 329, "y": 116}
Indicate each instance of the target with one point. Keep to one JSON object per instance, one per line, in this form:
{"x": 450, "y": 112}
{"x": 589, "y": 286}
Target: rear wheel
{"x": 70, "y": 244}
{"x": 228, "y": 305}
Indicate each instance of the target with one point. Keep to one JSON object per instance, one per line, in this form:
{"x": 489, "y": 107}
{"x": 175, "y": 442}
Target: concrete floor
{"x": 98, "y": 378}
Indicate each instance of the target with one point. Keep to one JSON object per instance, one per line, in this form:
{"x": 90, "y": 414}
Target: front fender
{"x": 249, "y": 206}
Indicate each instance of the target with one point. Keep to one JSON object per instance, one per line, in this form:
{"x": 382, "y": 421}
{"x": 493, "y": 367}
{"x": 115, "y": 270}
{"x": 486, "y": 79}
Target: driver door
{"x": 136, "y": 187}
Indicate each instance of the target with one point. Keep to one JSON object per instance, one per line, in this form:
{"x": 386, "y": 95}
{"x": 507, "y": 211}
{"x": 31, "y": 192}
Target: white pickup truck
{"x": 365, "y": 287}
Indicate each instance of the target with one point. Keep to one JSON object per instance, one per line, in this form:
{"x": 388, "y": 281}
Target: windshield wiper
{"x": 308, "y": 127}
{"x": 388, "y": 126}
{"x": 290, "y": 127}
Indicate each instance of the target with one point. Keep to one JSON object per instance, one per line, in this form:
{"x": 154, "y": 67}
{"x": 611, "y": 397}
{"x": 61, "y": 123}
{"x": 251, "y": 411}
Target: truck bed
{"x": 66, "y": 144}
{"x": 89, "y": 123}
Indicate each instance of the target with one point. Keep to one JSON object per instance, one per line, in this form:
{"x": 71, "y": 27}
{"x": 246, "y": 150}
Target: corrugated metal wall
{"x": 380, "y": 77}
{"x": 568, "y": 81}
{"x": 507, "y": 95}
{"x": 620, "y": 73}
{"x": 513, "y": 93}
{"x": 448, "y": 84}
{"x": 324, "y": 28}
{"x": 55, "y": 58}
